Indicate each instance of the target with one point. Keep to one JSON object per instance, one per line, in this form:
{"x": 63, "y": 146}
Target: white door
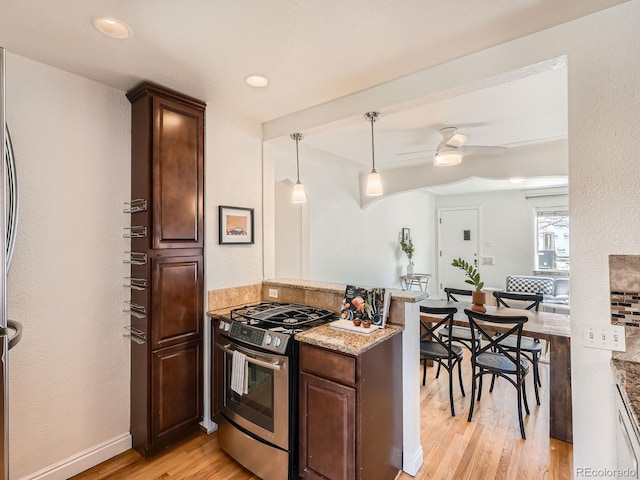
{"x": 458, "y": 237}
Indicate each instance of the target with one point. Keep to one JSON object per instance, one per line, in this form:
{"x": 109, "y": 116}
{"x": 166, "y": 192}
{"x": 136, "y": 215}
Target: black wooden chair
{"x": 432, "y": 347}
{"x": 531, "y": 347}
{"x": 460, "y": 335}
{"x": 496, "y": 360}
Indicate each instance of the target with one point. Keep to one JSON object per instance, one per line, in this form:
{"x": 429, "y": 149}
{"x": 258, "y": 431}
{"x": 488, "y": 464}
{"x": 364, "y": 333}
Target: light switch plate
{"x": 273, "y": 292}
{"x": 605, "y": 337}
{"x": 487, "y": 260}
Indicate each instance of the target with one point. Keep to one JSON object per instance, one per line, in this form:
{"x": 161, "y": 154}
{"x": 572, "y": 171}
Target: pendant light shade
{"x": 374, "y": 183}
{"x": 298, "y": 189}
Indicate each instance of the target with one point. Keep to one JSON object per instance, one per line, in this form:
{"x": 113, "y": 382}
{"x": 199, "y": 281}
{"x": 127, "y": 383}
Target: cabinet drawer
{"x": 330, "y": 365}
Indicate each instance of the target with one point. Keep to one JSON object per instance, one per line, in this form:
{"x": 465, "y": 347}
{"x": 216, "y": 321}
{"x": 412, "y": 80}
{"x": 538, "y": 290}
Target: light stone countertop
{"x": 411, "y": 296}
{"x": 345, "y": 341}
{"x": 627, "y": 375}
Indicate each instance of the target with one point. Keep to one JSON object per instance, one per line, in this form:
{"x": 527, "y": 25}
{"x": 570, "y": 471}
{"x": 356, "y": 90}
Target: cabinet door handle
{"x": 250, "y": 358}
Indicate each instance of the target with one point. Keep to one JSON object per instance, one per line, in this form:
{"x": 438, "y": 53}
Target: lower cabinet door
{"x": 327, "y": 429}
{"x": 176, "y": 401}
{"x": 176, "y": 289}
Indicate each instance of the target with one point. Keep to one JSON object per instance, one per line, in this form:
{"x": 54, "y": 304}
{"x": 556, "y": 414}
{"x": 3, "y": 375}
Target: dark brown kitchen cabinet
{"x": 166, "y": 257}
{"x": 351, "y": 412}
{"x": 176, "y": 293}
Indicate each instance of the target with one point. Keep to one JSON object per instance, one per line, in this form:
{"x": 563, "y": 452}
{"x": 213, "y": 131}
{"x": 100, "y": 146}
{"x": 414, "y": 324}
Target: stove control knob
{"x": 226, "y": 326}
{"x": 277, "y": 342}
{"x": 221, "y": 325}
{"x": 268, "y": 339}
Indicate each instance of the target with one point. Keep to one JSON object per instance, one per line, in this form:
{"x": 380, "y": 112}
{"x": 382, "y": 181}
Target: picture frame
{"x": 406, "y": 234}
{"x": 235, "y": 225}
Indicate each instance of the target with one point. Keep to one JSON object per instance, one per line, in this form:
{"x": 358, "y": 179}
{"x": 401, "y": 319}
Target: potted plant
{"x": 407, "y": 248}
{"x": 478, "y": 296}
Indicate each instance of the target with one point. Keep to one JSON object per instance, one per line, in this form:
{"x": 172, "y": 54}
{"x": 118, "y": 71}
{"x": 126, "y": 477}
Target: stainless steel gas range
{"x": 255, "y": 370}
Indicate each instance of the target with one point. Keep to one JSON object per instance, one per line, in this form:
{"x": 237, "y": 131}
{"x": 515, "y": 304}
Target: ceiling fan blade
{"x": 457, "y": 140}
{"x": 471, "y": 149}
{"x": 413, "y": 153}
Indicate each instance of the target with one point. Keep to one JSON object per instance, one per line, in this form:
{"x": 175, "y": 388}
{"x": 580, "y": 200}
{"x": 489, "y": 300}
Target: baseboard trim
{"x": 411, "y": 463}
{"x": 83, "y": 460}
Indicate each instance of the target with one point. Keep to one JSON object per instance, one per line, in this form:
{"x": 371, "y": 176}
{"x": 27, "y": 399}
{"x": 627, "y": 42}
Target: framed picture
{"x": 236, "y": 225}
{"x": 406, "y": 234}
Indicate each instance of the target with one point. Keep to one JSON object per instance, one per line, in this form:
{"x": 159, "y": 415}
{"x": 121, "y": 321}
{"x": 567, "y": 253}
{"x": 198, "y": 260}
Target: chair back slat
{"x": 533, "y": 299}
{"x": 442, "y": 317}
{"x": 451, "y": 292}
{"x": 483, "y": 322}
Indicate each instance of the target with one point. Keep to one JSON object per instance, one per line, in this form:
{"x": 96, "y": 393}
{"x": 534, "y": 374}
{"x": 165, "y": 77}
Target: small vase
{"x": 410, "y": 268}
{"x": 478, "y": 298}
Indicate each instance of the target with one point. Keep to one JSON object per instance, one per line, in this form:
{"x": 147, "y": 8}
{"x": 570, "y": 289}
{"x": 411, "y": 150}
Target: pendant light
{"x": 374, "y": 184}
{"x": 298, "y": 189}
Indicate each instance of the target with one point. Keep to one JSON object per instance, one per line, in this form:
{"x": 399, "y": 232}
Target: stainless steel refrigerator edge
{"x": 10, "y": 332}
{"x": 4, "y": 340}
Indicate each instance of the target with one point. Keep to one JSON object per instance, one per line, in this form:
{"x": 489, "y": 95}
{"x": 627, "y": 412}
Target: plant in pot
{"x": 478, "y": 296}
{"x": 407, "y": 248}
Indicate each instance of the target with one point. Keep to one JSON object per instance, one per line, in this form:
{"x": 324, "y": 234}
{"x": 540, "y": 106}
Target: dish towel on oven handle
{"x": 239, "y": 373}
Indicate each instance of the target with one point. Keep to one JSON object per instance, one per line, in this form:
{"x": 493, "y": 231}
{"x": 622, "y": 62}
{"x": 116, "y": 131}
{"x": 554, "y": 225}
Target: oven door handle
{"x": 250, "y": 357}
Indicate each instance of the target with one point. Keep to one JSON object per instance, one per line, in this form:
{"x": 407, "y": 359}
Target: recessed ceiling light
{"x": 112, "y": 27}
{"x": 516, "y": 180}
{"x": 257, "y": 81}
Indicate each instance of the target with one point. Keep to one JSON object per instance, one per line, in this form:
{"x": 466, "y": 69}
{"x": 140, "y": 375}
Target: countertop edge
{"x": 627, "y": 377}
{"x": 409, "y": 296}
{"x": 345, "y": 341}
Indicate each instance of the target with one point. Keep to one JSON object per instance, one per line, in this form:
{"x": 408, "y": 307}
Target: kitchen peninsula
{"x": 403, "y": 314}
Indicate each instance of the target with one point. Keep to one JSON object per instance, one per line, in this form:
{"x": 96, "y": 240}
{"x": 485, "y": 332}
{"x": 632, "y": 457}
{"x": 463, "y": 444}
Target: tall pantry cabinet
{"x": 166, "y": 257}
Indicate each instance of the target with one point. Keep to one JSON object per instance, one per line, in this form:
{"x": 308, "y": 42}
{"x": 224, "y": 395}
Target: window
{"x": 552, "y": 239}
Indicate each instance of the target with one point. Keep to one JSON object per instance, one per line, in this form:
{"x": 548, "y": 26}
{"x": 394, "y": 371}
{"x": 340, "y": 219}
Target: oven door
{"x": 264, "y": 409}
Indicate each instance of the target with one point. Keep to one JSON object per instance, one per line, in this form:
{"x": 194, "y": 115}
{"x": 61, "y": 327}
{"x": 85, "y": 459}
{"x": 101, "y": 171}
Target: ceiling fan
{"x": 452, "y": 148}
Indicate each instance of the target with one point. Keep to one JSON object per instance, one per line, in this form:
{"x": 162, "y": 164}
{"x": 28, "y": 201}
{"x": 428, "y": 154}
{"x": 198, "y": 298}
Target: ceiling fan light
{"x": 448, "y": 159}
{"x": 298, "y": 193}
{"x": 374, "y": 184}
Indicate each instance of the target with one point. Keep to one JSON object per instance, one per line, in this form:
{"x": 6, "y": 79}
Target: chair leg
{"x": 520, "y": 393}
{"x": 535, "y": 384}
{"x": 536, "y": 370}
{"x": 493, "y": 381}
{"x": 438, "y": 371}
{"x": 453, "y": 413}
{"x": 424, "y": 372}
{"x": 473, "y": 393}
{"x": 524, "y": 395}
{"x": 480, "y": 384}
{"x": 460, "y": 376}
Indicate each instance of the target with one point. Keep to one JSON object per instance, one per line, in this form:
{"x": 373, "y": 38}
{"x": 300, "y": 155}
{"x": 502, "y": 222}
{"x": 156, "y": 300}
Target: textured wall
{"x": 69, "y": 387}
{"x": 349, "y": 244}
{"x": 507, "y": 223}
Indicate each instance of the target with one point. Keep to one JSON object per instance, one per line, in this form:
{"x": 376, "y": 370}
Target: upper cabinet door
{"x": 177, "y": 183}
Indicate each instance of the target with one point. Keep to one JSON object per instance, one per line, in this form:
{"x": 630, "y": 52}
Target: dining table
{"x": 555, "y": 329}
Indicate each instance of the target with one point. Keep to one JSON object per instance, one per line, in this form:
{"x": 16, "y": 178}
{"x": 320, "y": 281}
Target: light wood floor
{"x": 488, "y": 448}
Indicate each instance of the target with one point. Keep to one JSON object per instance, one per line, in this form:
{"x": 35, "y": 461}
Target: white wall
{"x": 69, "y": 377}
{"x": 507, "y": 223}
{"x": 353, "y": 245}
{"x": 233, "y": 177}
{"x": 69, "y": 388}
